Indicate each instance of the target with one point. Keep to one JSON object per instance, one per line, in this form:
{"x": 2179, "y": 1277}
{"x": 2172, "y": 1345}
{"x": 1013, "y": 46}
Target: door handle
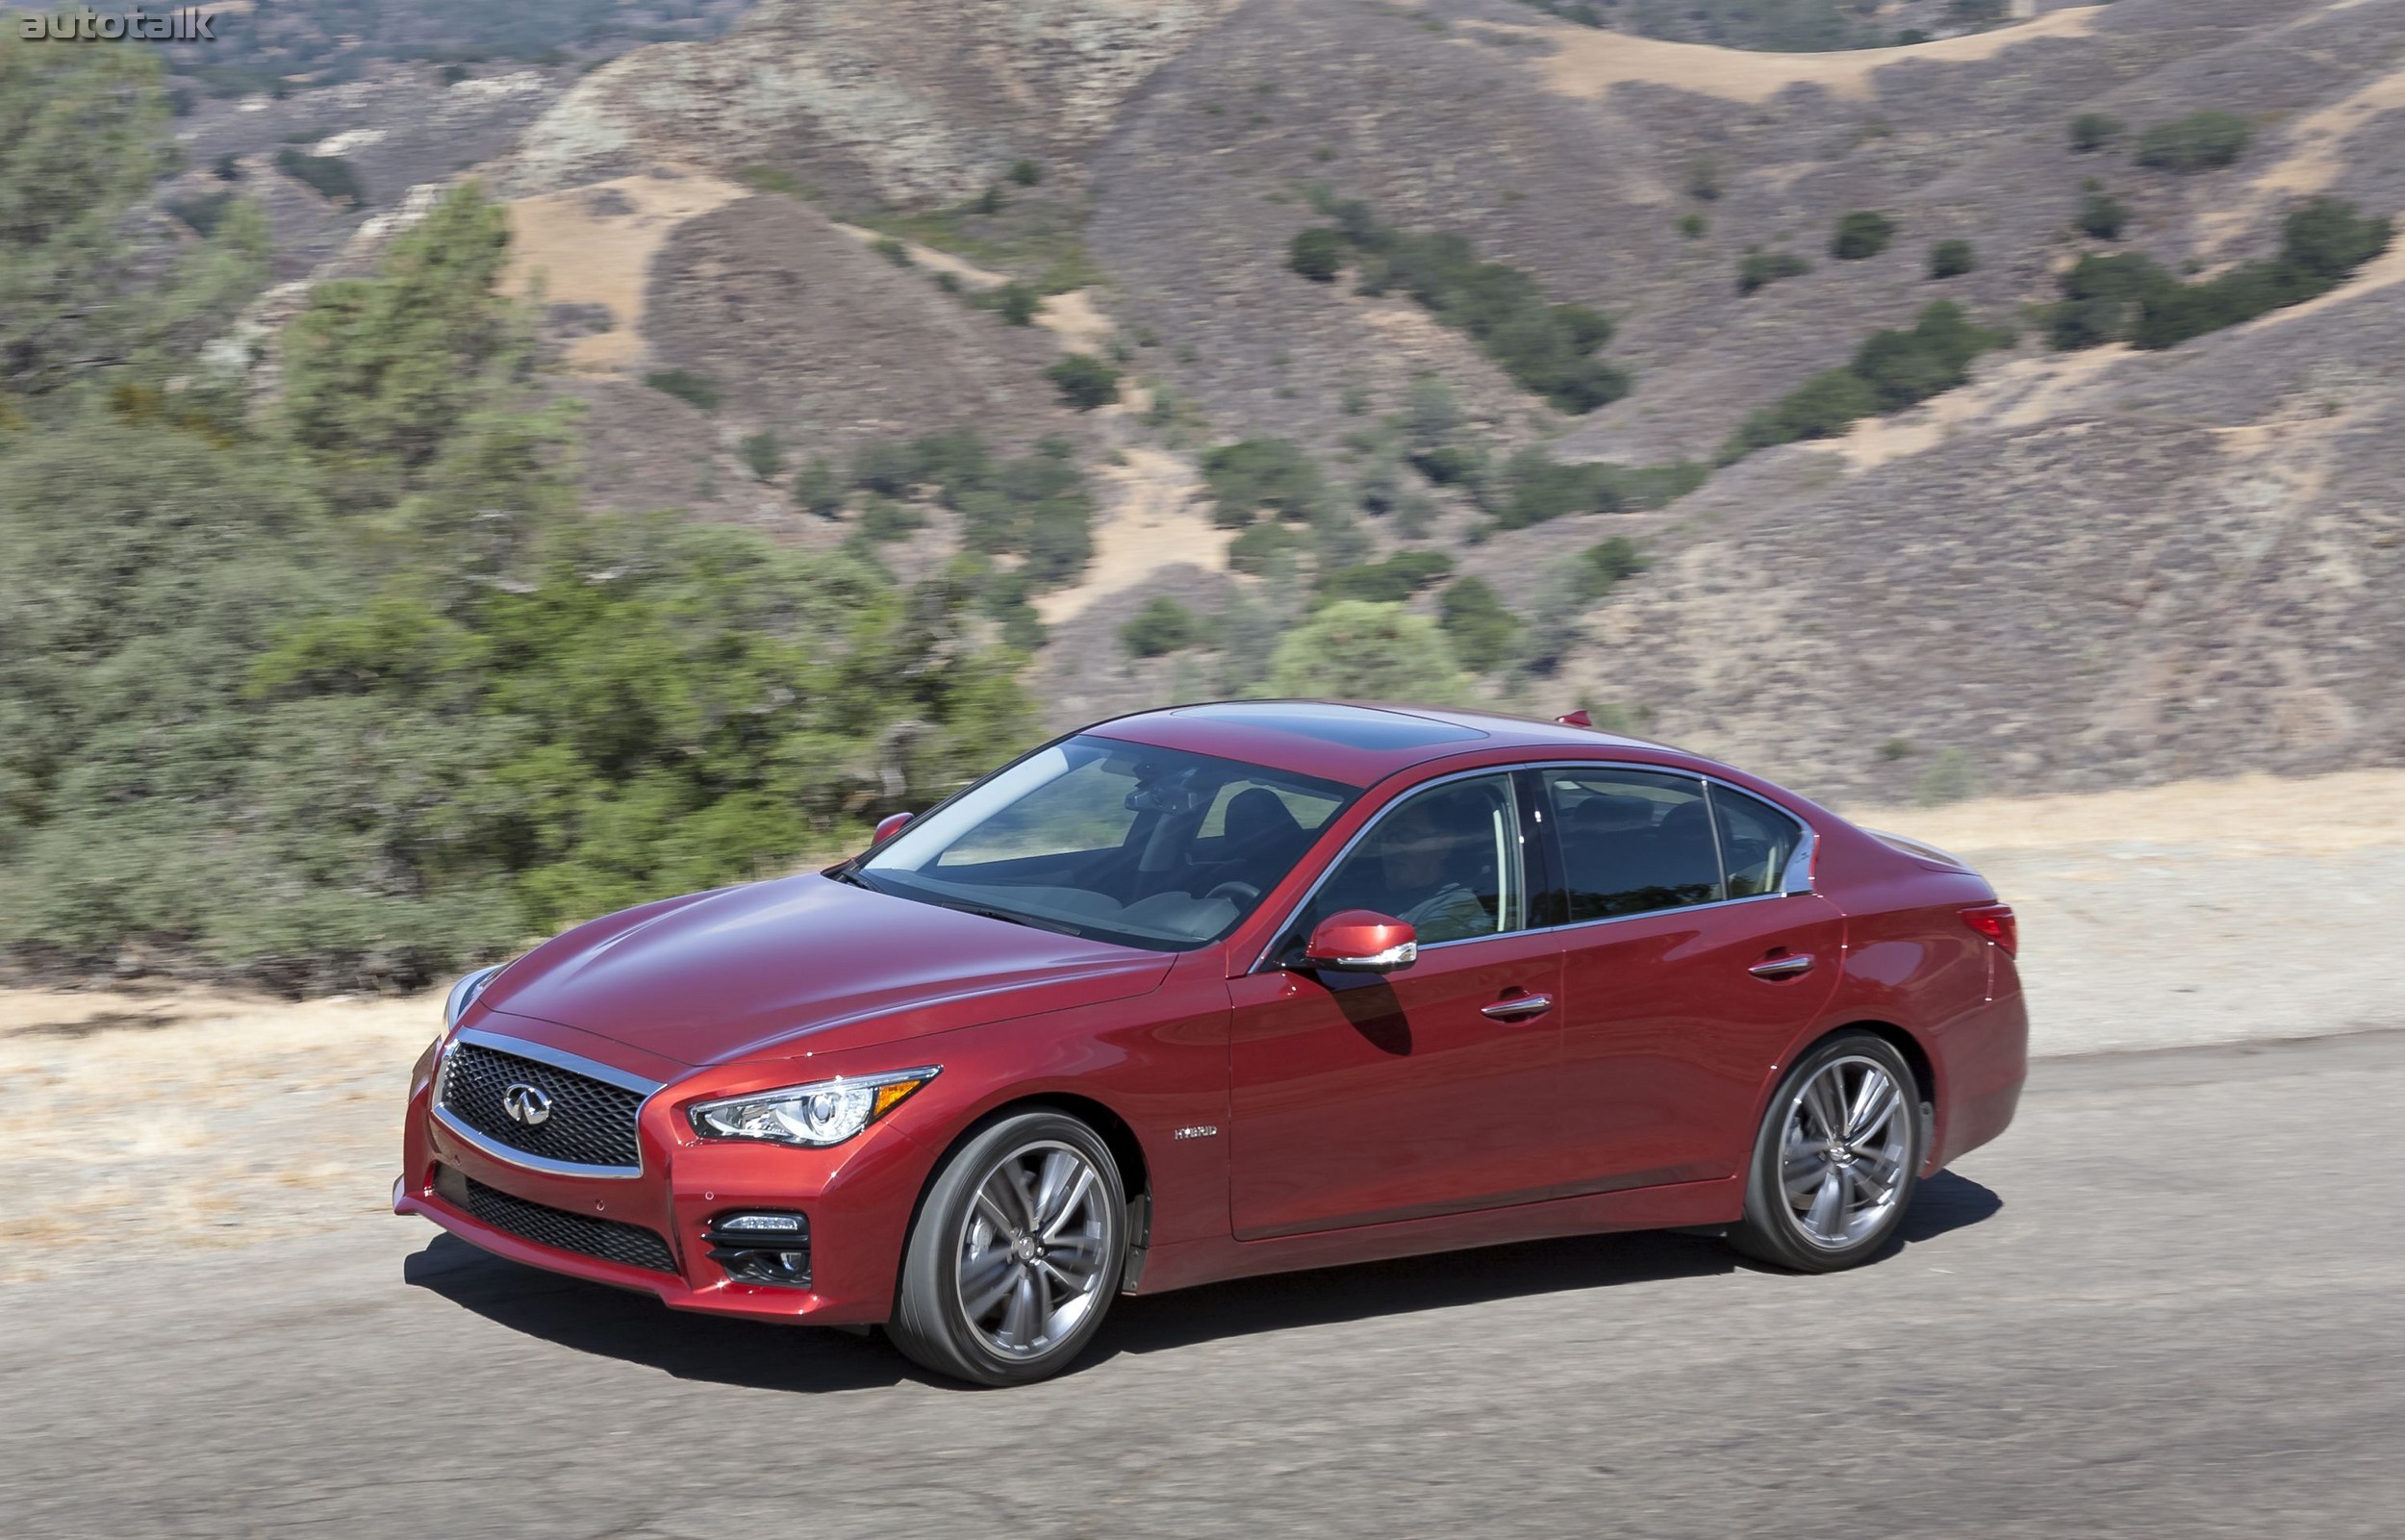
{"x": 1518, "y": 1008}
{"x": 1778, "y": 967}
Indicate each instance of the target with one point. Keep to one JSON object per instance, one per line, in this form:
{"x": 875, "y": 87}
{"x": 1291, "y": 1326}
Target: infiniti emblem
{"x": 526, "y": 1104}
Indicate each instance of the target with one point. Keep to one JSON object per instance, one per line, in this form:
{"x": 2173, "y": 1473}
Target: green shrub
{"x": 1952, "y": 259}
{"x": 1892, "y": 370}
{"x": 1388, "y": 582}
{"x": 202, "y": 213}
{"x": 1481, "y": 631}
{"x": 1317, "y": 254}
{"x": 1025, "y": 172}
{"x": 763, "y": 454}
{"x": 2094, "y": 131}
{"x": 1014, "y": 302}
{"x": 1693, "y": 225}
{"x": 1606, "y": 564}
{"x": 1085, "y": 382}
{"x": 1546, "y": 348}
{"x": 330, "y": 175}
{"x": 1253, "y": 474}
{"x": 1262, "y": 549}
{"x": 2134, "y": 299}
{"x": 1759, "y": 270}
{"x": 1363, "y": 651}
{"x": 819, "y": 489}
{"x": 1863, "y": 233}
{"x": 891, "y": 250}
{"x": 1162, "y": 626}
{"x": 990, "y": 201}
{"x": 695, "y": 389}
{"x": 2200, "y": 141}
{"x": 1534, "y": 488}
{"x": 2103, "y": 216}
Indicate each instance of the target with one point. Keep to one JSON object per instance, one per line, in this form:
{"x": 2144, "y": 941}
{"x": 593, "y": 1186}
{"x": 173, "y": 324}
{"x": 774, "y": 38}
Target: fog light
{"x": 771, "y": 1248}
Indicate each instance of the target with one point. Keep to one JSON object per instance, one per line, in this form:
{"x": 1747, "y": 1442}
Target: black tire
{"x": 1800, "y": 1233}
{"x": 932, "y": 1322}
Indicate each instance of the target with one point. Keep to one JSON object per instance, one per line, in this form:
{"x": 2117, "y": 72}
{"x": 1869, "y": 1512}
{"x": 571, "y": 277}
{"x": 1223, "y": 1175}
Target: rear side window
{"x": 1757, "y": 842}
{"x": 1633, "y": 841}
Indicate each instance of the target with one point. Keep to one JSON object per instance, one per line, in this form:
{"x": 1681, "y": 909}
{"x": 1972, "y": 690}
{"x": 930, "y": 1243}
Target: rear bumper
{"x": 1982, "y": 1062}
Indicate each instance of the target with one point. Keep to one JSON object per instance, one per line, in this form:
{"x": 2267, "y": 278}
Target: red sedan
{"x": 1225, "y": 990}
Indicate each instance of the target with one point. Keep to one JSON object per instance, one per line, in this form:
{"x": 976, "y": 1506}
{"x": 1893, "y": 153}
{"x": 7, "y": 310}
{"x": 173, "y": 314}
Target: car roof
{"x": 1356, "y": 742}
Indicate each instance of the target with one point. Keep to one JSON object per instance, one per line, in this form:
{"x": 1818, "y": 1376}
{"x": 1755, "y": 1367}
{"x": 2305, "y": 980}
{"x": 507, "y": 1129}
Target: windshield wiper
{"x": 1011, "y": 917}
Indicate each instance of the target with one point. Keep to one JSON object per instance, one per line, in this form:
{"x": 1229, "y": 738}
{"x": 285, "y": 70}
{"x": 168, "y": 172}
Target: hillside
{"x": 2080, "y": 567}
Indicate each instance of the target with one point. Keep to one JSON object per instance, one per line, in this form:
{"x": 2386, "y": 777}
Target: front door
{"x": 1685, "y": 970}
{"x": 1360, "y": 1098}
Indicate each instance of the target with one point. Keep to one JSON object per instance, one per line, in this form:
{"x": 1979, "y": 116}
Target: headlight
{"x": 824, "y": 1113}
{"x": 463, "y": 995}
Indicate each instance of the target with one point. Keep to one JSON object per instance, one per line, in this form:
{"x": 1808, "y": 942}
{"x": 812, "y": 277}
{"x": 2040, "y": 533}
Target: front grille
{"x": 629, "y": 1245}
{"x": 592, "y": 1122}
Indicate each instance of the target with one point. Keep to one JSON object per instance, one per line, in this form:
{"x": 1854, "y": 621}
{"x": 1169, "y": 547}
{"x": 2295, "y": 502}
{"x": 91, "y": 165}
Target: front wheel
{"x": 1836, "y": 1160}
{"x": 1016, "y": 1254}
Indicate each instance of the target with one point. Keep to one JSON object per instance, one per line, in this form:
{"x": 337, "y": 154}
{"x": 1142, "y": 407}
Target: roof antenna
{"x": 1576, "y": 719}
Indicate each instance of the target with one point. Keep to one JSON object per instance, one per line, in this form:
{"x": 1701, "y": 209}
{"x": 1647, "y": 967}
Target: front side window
{"x": 1120, "y": 842}
{"x": 1633, "y": 841}
{"x": 1446, "y": 860}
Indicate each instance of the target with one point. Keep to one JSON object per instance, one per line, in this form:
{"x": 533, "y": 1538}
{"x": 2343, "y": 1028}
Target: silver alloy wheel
{"x": 1034, "y": 1248}
{"x": 1843, "y": 1153}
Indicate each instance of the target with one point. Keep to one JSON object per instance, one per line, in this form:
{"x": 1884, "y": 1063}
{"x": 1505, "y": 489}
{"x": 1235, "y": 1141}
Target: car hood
{"x": 803, "y": 965}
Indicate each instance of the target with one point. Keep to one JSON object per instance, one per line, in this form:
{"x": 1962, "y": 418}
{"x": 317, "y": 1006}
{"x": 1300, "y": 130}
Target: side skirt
{"x": 1184, "y": 1263}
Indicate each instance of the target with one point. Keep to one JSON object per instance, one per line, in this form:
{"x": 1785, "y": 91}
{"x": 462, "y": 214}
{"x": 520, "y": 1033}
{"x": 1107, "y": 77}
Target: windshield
{"x": 1144, "y": 846}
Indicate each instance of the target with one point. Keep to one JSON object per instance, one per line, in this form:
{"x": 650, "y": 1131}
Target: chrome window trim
{"x": 1263, "y": 962}
{"x": 1799, "y": 860}
{"x": 558, "y": 1059}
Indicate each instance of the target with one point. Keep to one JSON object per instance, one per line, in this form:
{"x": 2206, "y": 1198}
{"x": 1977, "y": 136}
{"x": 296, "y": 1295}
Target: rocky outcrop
{"x": 911, "y": 101}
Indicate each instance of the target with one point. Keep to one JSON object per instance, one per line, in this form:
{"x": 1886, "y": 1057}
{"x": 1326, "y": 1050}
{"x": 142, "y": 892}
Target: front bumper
{"x": 857, "y": 1198}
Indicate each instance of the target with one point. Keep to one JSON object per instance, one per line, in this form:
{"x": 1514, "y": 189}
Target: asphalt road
{"x": 2166, "y": 1304}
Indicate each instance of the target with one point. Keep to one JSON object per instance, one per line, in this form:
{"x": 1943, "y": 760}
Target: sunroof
{"x": 1351, "y": 726}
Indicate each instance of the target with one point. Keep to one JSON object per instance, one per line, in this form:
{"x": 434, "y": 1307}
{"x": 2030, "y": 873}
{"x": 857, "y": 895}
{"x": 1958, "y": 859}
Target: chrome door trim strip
{"x": 1799, "y": 860}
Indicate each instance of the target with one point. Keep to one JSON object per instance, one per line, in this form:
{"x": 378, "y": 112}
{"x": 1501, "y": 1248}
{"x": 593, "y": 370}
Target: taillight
{"x": 1995, "y": 921}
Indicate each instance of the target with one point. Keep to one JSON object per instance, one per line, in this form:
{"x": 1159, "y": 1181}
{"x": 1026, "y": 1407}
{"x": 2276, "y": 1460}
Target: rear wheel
{"x": 1016, "y": 1254}
{"x": 1837, "y": 1159}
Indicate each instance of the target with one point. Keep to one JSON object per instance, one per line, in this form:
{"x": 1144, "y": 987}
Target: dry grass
{"x": 1587, "y": 62}
{"x": 2250, "y": 815}
{"x": 594, "y": 245}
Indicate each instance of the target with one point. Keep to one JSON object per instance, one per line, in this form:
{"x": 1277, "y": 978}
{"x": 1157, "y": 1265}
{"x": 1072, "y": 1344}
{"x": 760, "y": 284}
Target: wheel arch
{"x": 1114, "y": 1131}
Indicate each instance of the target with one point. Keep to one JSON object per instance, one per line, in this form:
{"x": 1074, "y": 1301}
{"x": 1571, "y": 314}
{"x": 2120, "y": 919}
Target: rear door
{"x": 1686, "y": 970}
{"x": 1360, "y": 1098}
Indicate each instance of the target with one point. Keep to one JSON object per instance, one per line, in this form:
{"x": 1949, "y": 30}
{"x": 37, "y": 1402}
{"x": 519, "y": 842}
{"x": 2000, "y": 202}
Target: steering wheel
{"x": 1238, "y": 893}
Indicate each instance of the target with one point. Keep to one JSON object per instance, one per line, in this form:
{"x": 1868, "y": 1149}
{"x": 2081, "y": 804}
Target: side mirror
{"x": 1362, "y": 941}
{"x": 888, "y": 826}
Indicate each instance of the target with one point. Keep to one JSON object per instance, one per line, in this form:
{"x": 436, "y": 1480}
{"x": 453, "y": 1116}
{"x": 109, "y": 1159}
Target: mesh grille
{"x": 592, "y": 1122}
{"x": 629, "y": 1245}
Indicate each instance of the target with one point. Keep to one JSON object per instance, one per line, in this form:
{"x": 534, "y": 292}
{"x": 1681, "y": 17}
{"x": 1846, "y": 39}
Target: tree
{"x": 1162, "y": 626}
{"x": 1085, "y": 382}
{"x": 1863, "y": 233}
{"x": 1480, "y": 629}
{"x": 81, "y": 142}
{"x": 1952, "y": 259}
{"x": 2094, "y": 131}
{"x": 1363, "y": 651}
{"x": 2200, "y": 141}
{"x": 1317, "y": 254}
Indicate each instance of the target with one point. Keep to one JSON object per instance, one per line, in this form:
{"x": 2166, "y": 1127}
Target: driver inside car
{"x": 1424, "y": 865}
